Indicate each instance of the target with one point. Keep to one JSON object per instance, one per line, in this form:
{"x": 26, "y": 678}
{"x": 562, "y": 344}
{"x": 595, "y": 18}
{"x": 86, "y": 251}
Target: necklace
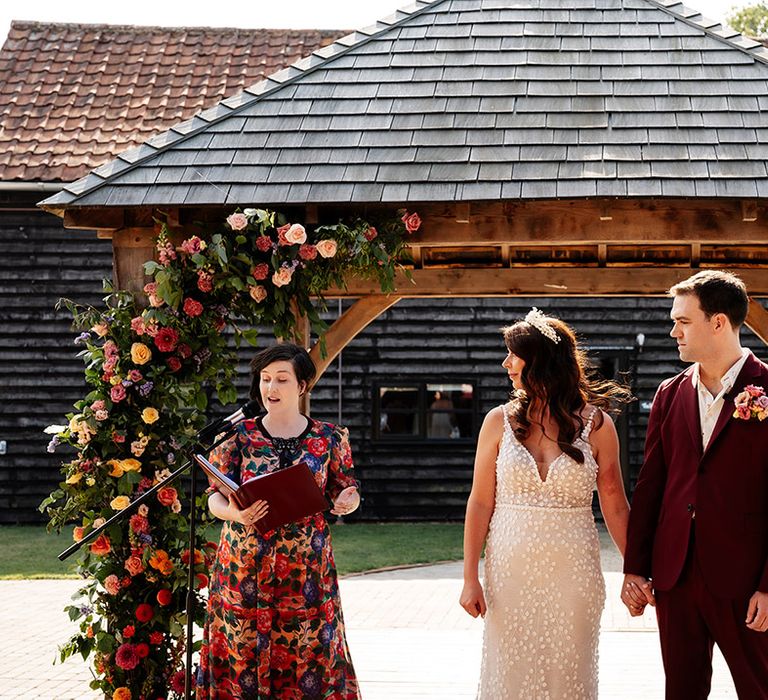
{"x": 287, "y": 448}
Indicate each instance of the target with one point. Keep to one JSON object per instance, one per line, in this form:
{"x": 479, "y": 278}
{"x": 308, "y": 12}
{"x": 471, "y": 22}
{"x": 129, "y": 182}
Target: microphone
{"x": 210, "y": 431}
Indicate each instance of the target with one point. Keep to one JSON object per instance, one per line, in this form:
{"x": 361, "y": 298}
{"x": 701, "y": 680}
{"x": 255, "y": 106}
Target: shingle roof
{"x": 477, "y": 100}
{"x": 72, "y": 96}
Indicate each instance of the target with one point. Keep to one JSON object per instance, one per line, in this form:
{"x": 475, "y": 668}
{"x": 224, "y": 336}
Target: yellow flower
{"x": 130, "y": 465}
{"x": 90, "y": 481}
{"x": 149, "y": 415}
{"x": 120, "y": 503}
{"x": 140, "y": 354}
{"x": 74, "y": 478}
{"x": 100, "y": 329}
{"x": 114, "y": 381}
{"x": 117, "y": 468}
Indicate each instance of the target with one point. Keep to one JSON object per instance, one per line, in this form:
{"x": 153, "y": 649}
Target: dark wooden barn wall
{"x": 437, "y": 340}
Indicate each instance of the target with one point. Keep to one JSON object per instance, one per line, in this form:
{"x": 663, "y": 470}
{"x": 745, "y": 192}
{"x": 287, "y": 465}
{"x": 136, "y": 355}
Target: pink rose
{"x": 112, "y": 584}
{"x": 192, "y": 307}
{"x": 137, "y": 325}
{"x": 371, "y": 233}
{"x": 296, "y": 234}
{"x": 753, "y": 390}
{"x": 743, "y": 412}
{"x": 193, "y": 245}
{"x": 258, "y": 293}
{"x": 150, "y": 289}
{"x": 135, "y": 376}
{"x": 98, "y": 405}
{"x": 412, "y": 222}
{"x": 101, "y": 415}
{"x": 117, "y": 393}
{"x": 282, "y": 276}
{"x": 308, "y": 252}
{"x": 260, "y": 272}
{"x": 237, "y": 221}
{"x": 327, "y": 247}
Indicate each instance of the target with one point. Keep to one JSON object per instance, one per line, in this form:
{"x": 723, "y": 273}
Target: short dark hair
{"x": 718, "y": 292}
{"x": 299, "y": 358}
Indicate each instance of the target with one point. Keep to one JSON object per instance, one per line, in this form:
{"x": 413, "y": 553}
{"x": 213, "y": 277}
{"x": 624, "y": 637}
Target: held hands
{"x": 757, "y": 612}
{"x": 472, "y": 598}
{"x": 248, "y": 516}
{"x": 347, "y": 501}
{"x": 636, "y": 593}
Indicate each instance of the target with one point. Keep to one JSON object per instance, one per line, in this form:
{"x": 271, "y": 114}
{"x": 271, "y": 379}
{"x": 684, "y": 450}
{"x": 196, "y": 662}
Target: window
{"x": 413, "y": 410}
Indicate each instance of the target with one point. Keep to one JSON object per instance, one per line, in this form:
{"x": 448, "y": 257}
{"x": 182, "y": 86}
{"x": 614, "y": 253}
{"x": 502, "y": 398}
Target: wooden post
{"x": 301, "y": 336}
{"x": 131, "y": 248}
{"x": 757, "y": 320}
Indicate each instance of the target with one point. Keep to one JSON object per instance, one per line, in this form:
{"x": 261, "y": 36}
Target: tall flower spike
{"x": 539, "y": 321}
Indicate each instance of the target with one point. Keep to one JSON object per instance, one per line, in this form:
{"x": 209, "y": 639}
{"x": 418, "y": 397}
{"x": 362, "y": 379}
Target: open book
{"x": 292, "y": 493}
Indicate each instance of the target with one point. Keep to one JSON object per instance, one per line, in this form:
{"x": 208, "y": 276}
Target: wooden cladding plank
{"x": 348, "y": 325}
{"x": 543, "y": 281}
{"x": 757, "y": 319}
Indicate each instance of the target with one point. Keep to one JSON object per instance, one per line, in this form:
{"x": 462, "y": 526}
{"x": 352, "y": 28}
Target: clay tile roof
{"x": 72, "y": 96}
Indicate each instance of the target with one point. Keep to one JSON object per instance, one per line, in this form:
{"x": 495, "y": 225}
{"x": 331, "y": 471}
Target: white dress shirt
{"x": 710, "y": 406}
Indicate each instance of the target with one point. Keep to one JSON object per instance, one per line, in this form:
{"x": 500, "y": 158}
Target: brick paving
{"x": 408, "y": 636}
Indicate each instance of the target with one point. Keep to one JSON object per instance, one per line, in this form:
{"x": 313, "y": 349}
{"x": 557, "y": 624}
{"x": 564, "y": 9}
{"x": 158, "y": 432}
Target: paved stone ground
{"x": 409, "y": 639}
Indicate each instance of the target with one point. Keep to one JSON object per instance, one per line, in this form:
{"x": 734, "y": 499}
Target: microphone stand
{"x": 123, "y": 514}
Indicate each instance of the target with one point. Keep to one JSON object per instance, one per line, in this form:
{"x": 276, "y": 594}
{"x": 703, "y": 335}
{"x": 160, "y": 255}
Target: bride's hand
{"x": 472, "y": 598}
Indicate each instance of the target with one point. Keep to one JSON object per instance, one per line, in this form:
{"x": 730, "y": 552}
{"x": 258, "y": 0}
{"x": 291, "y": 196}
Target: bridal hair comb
{"x": 539, "y": 321}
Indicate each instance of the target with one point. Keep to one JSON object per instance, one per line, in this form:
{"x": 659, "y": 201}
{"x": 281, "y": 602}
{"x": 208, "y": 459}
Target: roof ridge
{"x": 187, "y": 129}
{"x": 722, "y": 32}
{"x": 18, "y": 24}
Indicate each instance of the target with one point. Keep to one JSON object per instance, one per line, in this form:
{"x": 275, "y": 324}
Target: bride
{"x": 539, "y": 459}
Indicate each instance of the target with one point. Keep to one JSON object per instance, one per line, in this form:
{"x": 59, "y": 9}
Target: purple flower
{"x": 145, "y": 537}
{"x": 318, "y": 540}
{"x": 170, "y": 458}
{"x": 82, "y": 338}
{"x": 262, "y": 641}
{"x": 326, "y": 634}
{"x": 146, "y": 388}
{"x": 249, "y": 591}
{"x": 249, "y": 682}
{"x": 53, "y": 444}
{"x": 175, "y": 444}
{"x": 127, "y": 382}
{"x": 310, "y": 684}
{"x": 310, "y": 591}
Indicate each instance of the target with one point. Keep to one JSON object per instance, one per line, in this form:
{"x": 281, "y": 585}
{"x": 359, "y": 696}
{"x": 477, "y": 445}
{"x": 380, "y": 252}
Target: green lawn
{"x": 27, "y": 551}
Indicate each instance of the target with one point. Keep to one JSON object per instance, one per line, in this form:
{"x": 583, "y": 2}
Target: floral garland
{"x": 149, "y": 370}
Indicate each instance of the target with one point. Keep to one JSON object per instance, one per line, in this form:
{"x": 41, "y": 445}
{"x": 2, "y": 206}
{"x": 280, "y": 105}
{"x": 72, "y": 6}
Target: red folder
{"x": 292, "y": 493}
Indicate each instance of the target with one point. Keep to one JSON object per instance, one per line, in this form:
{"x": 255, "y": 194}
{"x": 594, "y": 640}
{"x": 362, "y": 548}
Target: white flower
{"x": 55, "y": 429}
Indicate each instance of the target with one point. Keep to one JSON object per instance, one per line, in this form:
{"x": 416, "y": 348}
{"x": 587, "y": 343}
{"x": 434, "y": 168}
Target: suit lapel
{"x": 691, "y": 410}
{"x": 749, "y": 371}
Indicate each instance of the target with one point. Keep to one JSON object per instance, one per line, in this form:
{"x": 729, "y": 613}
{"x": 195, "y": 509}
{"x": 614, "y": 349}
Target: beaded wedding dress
{"x": 543, "y": 583}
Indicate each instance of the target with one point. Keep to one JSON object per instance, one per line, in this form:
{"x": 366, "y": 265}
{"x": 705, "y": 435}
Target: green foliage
{"x": 751, "y": 20}
{"x": 149, "y": 370}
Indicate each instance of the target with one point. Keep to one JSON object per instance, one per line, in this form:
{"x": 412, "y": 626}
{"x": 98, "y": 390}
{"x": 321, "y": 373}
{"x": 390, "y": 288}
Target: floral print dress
{"x": 274, "y": 627}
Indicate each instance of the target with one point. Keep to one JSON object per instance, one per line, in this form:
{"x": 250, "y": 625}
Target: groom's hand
{"x": 636, "y": 593}
{"x": 757, "y": 612}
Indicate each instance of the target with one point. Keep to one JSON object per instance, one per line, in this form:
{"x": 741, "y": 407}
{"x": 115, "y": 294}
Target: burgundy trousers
{"x": 691, "y": 620}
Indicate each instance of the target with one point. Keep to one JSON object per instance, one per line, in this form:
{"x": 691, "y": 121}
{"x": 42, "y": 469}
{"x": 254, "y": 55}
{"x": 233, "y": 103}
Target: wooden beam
{"x": 573, "y": 222}
{"x": 757, "y": 320}
{"x": 542, "y": 281}
{"x": 348, "y": 325}
{"x": 94, "y": 218}
{"x": 131, "y": 248}
{"x": 748, "y": 210}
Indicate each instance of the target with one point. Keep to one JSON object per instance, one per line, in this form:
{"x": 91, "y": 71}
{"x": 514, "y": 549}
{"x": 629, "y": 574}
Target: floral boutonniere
{"x": 751, "y": 403}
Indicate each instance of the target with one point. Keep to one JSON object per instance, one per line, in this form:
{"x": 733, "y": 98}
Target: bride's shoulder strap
{"x": 590, "y": 423}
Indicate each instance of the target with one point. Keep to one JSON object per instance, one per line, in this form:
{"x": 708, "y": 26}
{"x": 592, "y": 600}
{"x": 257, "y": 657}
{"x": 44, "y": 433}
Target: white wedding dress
{"x": 543, "y": 583}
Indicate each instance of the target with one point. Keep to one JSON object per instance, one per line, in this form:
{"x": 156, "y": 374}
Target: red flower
{"x": 139, "y": 524}
{"x": 166, "y": 339}
{"x": 371, "y": 233}
{"x": 156, "y": 638}
{"x": 412, "y": 222}
{"x": 219, "y": 646}
{"x": 198, "y": 556}
{"x": 282, "y": 565}
{"x": 317, "y": 446}
{"x": 281, "y": 239}
{"x": 202, "y": 580}
{"x": 177, "y": 682}
{"x": 164, "y": 596}
{"x": 263, "y": 243}
{"x": 129, "y": 631}
{"x": 101, "y": 546}
{"x": 126, "y": 657}
{"x": 117, "y": 393}
{"x": 184, "y": 351}
{"x": 174, "y": 363}
{"x": 204, "y": 281}
{"x": 327, "y": 610}
{"x": 281, "y": 659}
{"x": 264, "y": 621}
{"x": 307, "y": 252}
{"x": 192, "y": 307}
{"x": 144, "y": 612}
{"x": 142, "y": 650}
{"x": 167, "y": 495}
{"x": 260, "y": 272}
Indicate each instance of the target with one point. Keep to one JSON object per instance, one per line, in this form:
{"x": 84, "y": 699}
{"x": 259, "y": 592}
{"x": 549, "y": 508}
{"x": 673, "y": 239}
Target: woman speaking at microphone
{"x": 274, "y": 626}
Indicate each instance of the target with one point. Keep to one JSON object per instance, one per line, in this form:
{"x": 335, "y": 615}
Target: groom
{"x": 698, "y": 531}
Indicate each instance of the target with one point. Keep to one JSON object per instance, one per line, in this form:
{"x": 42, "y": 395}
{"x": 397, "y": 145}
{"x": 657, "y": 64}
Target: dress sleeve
{"x": 227, "y": 458}
{"x": 341, "y": 470}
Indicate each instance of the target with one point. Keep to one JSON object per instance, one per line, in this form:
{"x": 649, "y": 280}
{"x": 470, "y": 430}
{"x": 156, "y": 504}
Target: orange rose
{"x": 101, "y": 546}
{"x": 167, "y": 495}
{"x": 122, "y": 693}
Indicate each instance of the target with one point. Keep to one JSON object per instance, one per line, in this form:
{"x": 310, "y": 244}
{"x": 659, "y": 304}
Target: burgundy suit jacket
{"x": 726, "y": 486}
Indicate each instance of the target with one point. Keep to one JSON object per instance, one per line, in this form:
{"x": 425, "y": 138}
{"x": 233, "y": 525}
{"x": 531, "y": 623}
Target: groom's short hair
{"x": 718, "y": 292}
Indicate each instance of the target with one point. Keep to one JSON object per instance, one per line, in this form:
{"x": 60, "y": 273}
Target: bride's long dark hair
{"x": 560, "y": 378}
